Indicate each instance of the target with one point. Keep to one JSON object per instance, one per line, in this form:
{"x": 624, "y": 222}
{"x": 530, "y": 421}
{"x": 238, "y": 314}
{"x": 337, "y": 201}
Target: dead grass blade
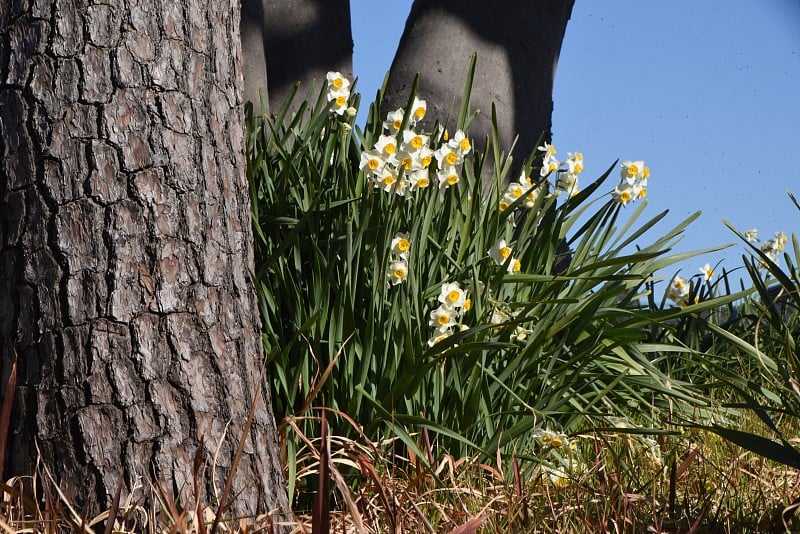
{"x": 319, "y": 382}
{"x": 5, "y": 414}
{"x": 470, "y": 527}
{"x": 321, "y": 514}
{"x": 688, "y": 458}
{"x": 114, "y": 510}
{"x": 368, "y": 471}
{"x": 519, "y": 489}
{"x": 28, "y": 504}
{"x": 782, "y": 516}
{"x": 224, "y": 500}
{"x": 76, "y": 520}
{"x": 341, "y": 485}
{"x": 198, "y": 508}
{"x": 168, "y": 503}
{"x": 420, "y": 515}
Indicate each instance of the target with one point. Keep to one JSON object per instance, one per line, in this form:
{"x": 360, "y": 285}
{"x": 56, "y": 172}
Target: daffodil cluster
{"x": 501, "y": 253}
{"x": 567, "y": 180}
{"x": 679, "y": 290}
{"x": 772, "y": 248}
{"x": 453, "y": 303}
{"x": 651, "y": 451}
{"x": 550, "y": 163}
{"x": 567, "y": 172}
{"x": 397, "y": 273}
{"x": 548, "y": 438}
{"x": 402, "y": 161}
{"x": 338, "y": 92}
{"x": 522, "y": 188}
{"x": 500, "y": 317}
{"x": 562, "y": 461}
{"x": 633, "y": 184}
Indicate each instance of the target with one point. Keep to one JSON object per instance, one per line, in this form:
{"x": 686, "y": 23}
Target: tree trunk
{"x": 518, "y": 43}
{"x": 125, "y": 246}
{"x": 303, "y": 40}
{"x": 254, "y": 59}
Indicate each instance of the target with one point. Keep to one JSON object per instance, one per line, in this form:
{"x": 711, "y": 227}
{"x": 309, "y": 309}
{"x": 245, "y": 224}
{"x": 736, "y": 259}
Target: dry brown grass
{"x": 695, "y": 482}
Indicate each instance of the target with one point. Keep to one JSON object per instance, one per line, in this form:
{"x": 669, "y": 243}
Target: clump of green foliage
{"x": 356, "y": 256}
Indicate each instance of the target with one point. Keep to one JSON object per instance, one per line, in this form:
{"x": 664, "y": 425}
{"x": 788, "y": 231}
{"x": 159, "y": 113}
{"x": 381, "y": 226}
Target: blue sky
{"x": 706, "y": 93}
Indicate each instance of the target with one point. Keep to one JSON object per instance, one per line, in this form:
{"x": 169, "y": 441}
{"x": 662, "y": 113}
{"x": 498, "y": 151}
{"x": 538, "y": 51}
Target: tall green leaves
{"x": 561, "y": 342}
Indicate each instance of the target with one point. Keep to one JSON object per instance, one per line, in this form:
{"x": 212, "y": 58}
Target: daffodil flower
{"x": 397, "y": 273}
{"x": 751, "y": 235}
{"x": 337, "y": 82}
{"x": 408, "y": 161}
{"x": 707, "y": 271}
{"x": 548, "y": 149}
{"x": 401, "y": 245}
{"x": 525, "y": 181}
{"x": 574, "y": 163}
{"x": 514, "y": 191}
{"x": 413, "y": 141}
{"x": 679, "y": 289}
{"x": 442, "y": 318}
{"x": 498, "y": 317}
{"x": 780, "y": 241}
{"x": 520, "y": 334}
{"x": 338, "y": 92}
{"x": 640, "y": 189}
{"x": 500, "y": 252}
{"x": 385, "y": 179}
{"x": 371, "y": 161}
{"x": 447, "y": 176}
{"x": 623, "y": 193}
{"x": 418, "y": 109}
{"x": 439, "y": 336}
{"x": 424, "y": 157}
{"x": 549, "y": 166}
{"x": 394, "y": 120}
{"x": 339, "y": 102}
{"x": 452, "y": 296}
{"x": 770, "y": 250}
{"x": 386, "y": 145}
{"x": 460, "y": 143}
{"x": 633, "y": 170}
{"x": 568, "y": 183}
{"x": 418, "y": 179}
{"x": 544, "y": 435}
{"x": 447, "y": 156}
{"x": 531, "y": 191}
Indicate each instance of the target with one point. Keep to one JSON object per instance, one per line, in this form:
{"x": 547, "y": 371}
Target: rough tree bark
{"x": 301, "y": 40}
{"x": 125, "y": 246}
{"x": 518, "y": 43}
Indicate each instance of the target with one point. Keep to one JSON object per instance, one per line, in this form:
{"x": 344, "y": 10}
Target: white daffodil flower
{"x": 452, "y": 296}
{"x": 442, "y": 318}
{"x": 397, "y": 273}
{"x": 401, "y": 244}
{"x": 707, "y": 271}
{"x": 500, "y": 252}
